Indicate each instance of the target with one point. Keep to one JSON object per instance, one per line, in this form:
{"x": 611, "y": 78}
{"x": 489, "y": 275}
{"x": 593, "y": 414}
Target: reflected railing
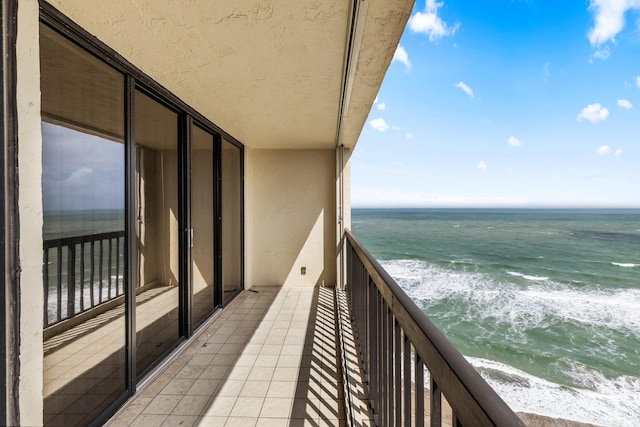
{"x": 397, "y": 342}
{"x": 80, "y": 273}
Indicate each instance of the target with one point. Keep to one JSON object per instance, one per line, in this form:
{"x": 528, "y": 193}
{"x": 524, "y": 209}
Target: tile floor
{"x": 271, "y": 358}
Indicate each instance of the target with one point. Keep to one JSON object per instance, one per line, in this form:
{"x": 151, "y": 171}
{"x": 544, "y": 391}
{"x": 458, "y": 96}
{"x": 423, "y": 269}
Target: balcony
{"x": 318, "y": 356}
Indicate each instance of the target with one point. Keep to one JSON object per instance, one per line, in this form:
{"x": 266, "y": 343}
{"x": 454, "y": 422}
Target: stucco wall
{"x": 290, "y": 217}
{"x": 30, "y": 214}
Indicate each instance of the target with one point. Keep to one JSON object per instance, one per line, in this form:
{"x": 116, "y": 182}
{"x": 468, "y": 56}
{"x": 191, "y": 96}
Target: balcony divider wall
{"x": 129, "y": 173}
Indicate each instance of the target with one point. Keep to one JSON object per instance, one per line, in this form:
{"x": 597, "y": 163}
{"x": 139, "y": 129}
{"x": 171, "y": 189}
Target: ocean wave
{"x": 604, "y": 401}
{"x": 625, "y": 264}
{"x": 522, "y": 306}
{"x": 525, "y": 276}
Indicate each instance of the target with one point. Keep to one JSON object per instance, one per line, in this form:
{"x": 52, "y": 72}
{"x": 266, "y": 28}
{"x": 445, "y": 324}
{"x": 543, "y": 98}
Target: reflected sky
{"x": 80, "y": 171}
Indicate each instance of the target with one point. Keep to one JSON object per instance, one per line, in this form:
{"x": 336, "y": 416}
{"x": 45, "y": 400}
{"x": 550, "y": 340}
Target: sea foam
{"x": 516, "y": 307}
{"x": 612, "y": 402}
{"x": 525, "y": 306}
{"x": 624, "y": 264}
{"x": 525, "y": 276}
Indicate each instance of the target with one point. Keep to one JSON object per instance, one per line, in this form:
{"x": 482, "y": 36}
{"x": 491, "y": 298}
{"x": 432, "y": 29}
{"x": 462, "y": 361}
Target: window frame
{"x": 9, "y": 233}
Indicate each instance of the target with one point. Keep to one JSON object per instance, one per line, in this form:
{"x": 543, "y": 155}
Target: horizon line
{"x": 558, "y": 207}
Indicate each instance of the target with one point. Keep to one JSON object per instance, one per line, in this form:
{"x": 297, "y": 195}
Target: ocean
{"x": 545, "y": 304}
{"x": 58, "y": 224}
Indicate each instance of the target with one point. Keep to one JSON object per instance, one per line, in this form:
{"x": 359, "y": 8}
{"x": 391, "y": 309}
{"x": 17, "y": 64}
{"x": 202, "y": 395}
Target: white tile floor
{"x": 270, "y": 359}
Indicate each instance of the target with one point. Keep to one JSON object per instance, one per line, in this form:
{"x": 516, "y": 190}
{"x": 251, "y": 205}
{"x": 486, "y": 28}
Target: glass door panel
{"x": 231, "y": 219}
{"x": 83, "y": 183}
{"x": 157, "y": 231}
{"x": 202, "y": 223}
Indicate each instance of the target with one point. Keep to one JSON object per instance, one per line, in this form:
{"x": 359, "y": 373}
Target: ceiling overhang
{"x": 269, "y": 73}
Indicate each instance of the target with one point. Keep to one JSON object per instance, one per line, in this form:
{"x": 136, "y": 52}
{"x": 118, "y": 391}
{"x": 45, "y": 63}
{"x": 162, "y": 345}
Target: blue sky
{"x": 507, "y": 103}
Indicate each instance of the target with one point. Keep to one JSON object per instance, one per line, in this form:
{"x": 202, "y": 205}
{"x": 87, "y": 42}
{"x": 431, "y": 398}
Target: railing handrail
{"x": 460, "y": 382}
{"x": 74, "y": 240}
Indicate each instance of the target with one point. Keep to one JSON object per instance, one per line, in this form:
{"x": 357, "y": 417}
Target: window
{"x": 231, "y": 219}
{"x": 203, "y": 212}
{"x": 83, "y": 194}
{"x": 157, "y": 236}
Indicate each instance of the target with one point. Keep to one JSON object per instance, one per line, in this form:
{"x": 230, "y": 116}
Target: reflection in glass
{"x": 84, "y": 246}
{"x": 157, "y": 298}
{"x": 231, "y": 220}
{"x": 202, "y": 220}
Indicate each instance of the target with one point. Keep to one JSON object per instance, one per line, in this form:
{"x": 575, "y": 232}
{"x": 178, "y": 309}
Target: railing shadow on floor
{"x": 319, "y": 396}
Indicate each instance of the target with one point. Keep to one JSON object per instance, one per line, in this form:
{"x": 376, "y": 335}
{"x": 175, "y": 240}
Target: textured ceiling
{"x": 267, "y": 72}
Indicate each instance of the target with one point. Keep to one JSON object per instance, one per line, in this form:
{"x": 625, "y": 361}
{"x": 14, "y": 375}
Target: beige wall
{"x": 30, "y": 212}
{"x": 290, "y": 217}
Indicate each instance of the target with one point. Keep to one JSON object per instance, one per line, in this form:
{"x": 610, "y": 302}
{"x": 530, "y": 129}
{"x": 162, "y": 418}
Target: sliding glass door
{"x": 157, "y": 230}
{"x": 231, "y": 205}
{"x": 83, "y": 194}
{"x": 142, "y": 236}
{"x": 205, "y": 297}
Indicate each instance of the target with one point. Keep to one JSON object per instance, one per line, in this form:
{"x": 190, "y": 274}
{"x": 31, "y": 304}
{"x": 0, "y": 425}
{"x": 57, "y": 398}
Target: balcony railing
{"x": 81, "y": 273}
{"x": 397, "y": 342}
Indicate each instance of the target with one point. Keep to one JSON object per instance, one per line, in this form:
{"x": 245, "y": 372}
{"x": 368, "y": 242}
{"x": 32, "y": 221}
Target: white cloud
{"x": 625, "y": 103}
{"x": 429, "y": 23}
{"x": 609, "y": 19}
{"x": 401, "y": 55}
{"x": 513, "y": 141}
{"x": 482, "y": 165}
{"x": 601, "y": 54}
{"x": 594, "y": 113}
{"x": 379, "y": 124}
{"x": 409, "y": 135}
{"x": 381, "y": 106}
{"x": 394, "y": 127}
{"x": 638, "y": 81}
{"x": 79, "y": 176}
{"x": 618, "y": 152}
{"x": 465, "y": 88}
{"x": 603, "y": 149}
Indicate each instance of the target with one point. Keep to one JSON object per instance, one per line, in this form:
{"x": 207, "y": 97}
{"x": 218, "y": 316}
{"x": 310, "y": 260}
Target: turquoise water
{"x": 544, "y": 303}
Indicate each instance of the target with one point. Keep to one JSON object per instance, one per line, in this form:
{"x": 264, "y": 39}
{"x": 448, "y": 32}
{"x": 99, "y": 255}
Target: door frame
{"x": 9, "y": 220}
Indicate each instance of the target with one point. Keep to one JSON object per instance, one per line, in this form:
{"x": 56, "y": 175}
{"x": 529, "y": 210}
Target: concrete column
{"x": 30, "y": 214}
